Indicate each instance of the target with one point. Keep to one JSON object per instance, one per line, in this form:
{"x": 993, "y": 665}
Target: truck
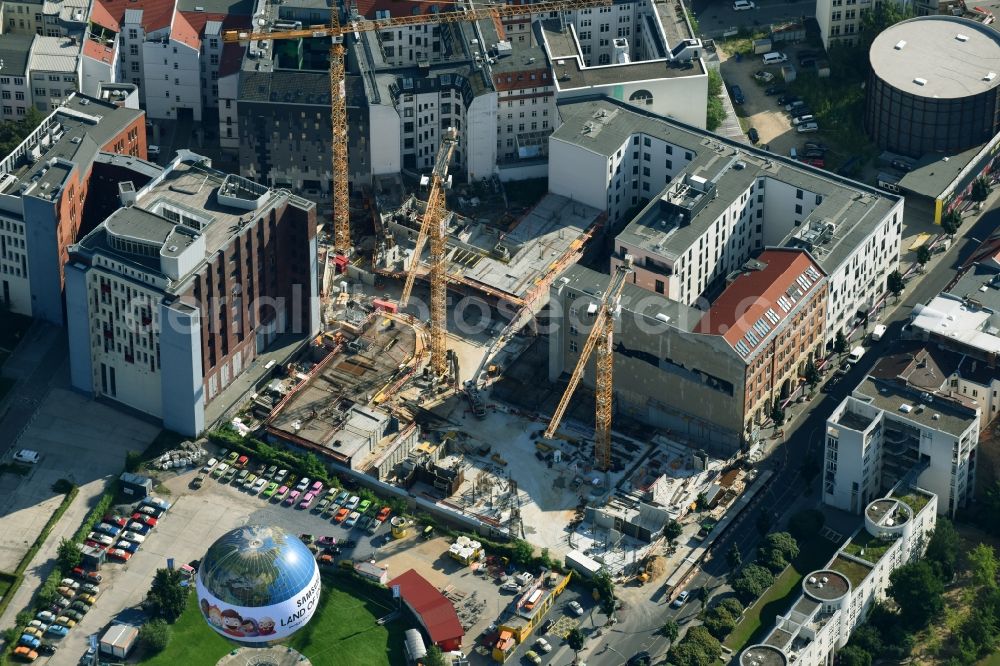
{"x": 878, "y": 332}
{"x": 119, "y": 640}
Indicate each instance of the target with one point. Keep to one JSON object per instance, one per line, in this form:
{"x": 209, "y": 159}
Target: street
{"x": 717, "y": 16}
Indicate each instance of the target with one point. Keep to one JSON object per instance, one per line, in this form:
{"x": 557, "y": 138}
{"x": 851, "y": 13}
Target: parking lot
{"x": 198, "y": 517}
{"x": 759, "y": 110}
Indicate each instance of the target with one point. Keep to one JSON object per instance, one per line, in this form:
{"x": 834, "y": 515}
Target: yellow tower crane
{"x": 338, "y": 103}
{"x": 600, "y": 339}
{"x": 433, "y": 225}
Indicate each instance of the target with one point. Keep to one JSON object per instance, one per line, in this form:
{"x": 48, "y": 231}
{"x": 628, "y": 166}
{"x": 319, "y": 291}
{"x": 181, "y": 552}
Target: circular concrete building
{"x": 258, "y": 584}
{"x": 933, "y": 86}
{"x": 763, "y": 655}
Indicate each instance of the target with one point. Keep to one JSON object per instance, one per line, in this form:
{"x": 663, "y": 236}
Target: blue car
{"x": 737, "y": 94}
{"x": 128, "y": 545}
{"x": 30, "y": 641}
{"x": 139, "y": 528}
{"x": 57, "y": 630}
{"x": 109, "y": 529}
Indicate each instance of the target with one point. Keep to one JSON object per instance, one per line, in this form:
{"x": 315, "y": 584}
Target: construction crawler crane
{"x": 338, "y": 102}
{"x": 600, "y": 339}
{"x": 433, "y": 226}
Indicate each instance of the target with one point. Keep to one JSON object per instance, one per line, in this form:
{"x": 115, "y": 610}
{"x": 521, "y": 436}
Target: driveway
{"x": 759, "y": 110}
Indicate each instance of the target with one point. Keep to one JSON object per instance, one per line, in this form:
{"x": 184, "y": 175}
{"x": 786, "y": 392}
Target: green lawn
{"x": 855, "y": 571}
{"x": 343, "y": 632}
{"x": 915, "y": 501}
{"x": 868, "y": 547}
{"x": 787, "y": 587}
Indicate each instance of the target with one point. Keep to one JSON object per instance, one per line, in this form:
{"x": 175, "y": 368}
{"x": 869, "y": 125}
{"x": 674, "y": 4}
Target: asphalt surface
{"x": 717, "y": 16}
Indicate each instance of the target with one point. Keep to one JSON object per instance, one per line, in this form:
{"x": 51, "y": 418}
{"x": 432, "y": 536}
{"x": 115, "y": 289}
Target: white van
{"x": 878, "y": 332}
{"x": 774, "y": 57}
{"x": 856, "y": 355}
{"x": 27, "y": 456}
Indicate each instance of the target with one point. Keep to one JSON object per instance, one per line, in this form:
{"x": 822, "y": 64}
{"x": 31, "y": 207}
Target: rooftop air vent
{"x": 172, "y": 248}
{"x": 990, "y": 76}
{"x": 920, "y": 82}
{"x": 900, "y": 44}
{"x": 905, "y": 408}
{"x": 962, "y": 38}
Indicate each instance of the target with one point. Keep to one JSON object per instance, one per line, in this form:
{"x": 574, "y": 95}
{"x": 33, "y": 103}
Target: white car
{"x": 681, "y": 599}
{"x": 807, "y": 127}
{"x": 808, "y": 118}
{"x": 352, "y": 519}
{"x": 576, "y": 608}
{"x": 352, "y": 503}
{"x": 743, "y": 5}
{"x": 27, "y": 456}
{"x": 303, "y": 484}
{"x": 258, "y": 485}
{"x": 543, "y": 645}
{"x": 774, "y": 57}
{"x": 153, "y": 151}
{"x": 134, "y": 537}
{"x": 103, "y": 539}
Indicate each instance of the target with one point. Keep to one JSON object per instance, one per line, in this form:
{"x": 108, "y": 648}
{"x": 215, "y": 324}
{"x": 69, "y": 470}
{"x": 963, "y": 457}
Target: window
{"x": 659, "y": 286}
{"x": 798, "y": 194}
{"x": 573, "y": 347}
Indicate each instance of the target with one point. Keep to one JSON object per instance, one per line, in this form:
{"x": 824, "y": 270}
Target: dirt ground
{"x": 759, "y": 110}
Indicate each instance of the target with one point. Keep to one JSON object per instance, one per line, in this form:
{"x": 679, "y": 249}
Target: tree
{"x": 716, "y": 112}
{"x": 868, "y": 638}
{"x": 575, "y": 640}
{"x": 133, "y": 460}
{"x": 719, "y": 624}
{"x": 782, "y": 542}
{"x": 702, "y": 501}
{"x": 951, "y": 222}
{"x": 605, "y": 587}
{"x": 778, "y": 413}
{"x": 918, "y": 592}
{"x": 13, "y": 132}
{"x": 670, "y": 630}
{"x": 751, "y": 582}
{"x": 522, "y": 552}
{"x": 943, "y": 550}
{"x": 983, "y": 565}
{"x": 69, "y": 555}
{"x": 895, "y": 284}
{"x": 811, "y": 374}
{"x": 840, "y": 343}
{"x": 166, "y": 598}
{"x": 854, "y": 656}
{"x": 806, "y": 523}
{"x": 980, "y": 189}
{"x": 733, "y": 557}
{"x": 434, "y": 657}
{"x": 705, "y": 641}
{"x": 672, "y": 530}
{"x": 923, "y": 255}
{"x": 154, "y": 636}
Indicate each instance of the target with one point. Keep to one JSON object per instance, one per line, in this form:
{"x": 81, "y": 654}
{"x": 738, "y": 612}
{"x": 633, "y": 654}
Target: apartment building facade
{"x": 177, "y": 292}
{"x": 45, "y": 184}
{"x": 710, "y": 204}
{"x": 836, "y": 599}
{"x": 889, "y": 430}
{"x": 15, "y": 87}
{"x": 54, "y": 71}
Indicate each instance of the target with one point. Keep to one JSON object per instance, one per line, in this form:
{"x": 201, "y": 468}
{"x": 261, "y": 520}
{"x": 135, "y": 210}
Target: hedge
{"x": 95, "y": 515}
{"x": 305, "y": 465}
{"x": 18, "y": 575}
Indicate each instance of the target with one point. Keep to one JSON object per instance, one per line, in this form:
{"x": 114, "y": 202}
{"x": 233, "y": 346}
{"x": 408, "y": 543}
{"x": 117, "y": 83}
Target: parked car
{"x": 816, "y": 154}
{"x": 282, "y": 474}
{"x": 242, "y": 461}
{"x": 575, "y": 608}
{"x": 737, "y": 94}
{"x": 543, "y": 645}
{"x": 139, "y": 528}
{"x": 46, "y": 617}
{"x": 307, "y": 501}
{"x": 144, "y": 519}
{"x": 352, "y": 519}
{"x": 119, "y": 554}
{"x": 817, "y": 162}
{"x": 109, "y": 529}
{"x": 794, "y": 104}
{"x": 258, "y": 485}
{"x": 67, "y": 592}
{"x": 79, "y": 607}
{"x": 807, "y": 127}
{"x": 33, "y": 631}
{"x": 152, "y": 151}
{"x": 128, "y": 545}
{"x": 219, "y": 470}
{"x": 280, "y": 494}
{"x": 90, "y": 588}
{"x": 342, "y": 497}
{"x": 271, "y": 471}
{"x": 383, "y": 514}
{"x": 89, "y": 576}
{"x": 340, "y": 516}
{"x": 316, "y": 488}
{"x": 241, "y": 476}
{"x": 774, "y": 90}
{"x": 532, "y": 657}
{"x": 30, "y": 641}
{"x": 292, "y": 497}
{"x": 27, "y": 456}
{"x": 753, "y": 135}
{"x": 743, "y": 5}
{"x": 231, "y": 457}
{"x": 25, "y": 653}
{"x": 813, "y": 145}
{"x": 303, "y": 484}
{"x": 763, "y": 76}
{"x": 46, "y": 649}
{"x": 103, "y": 539}
{"x": 363, "y": 506}
{"x": 271, "y": 487}
{"x": 800, "y": 111}
{"x": 73, "y": 614}
{"x": 58, "y": 630}
{"x": 807, "y": 118}
{"x": 249, "y": 481}
{"x": 322, "y": 504}
{"x": 774, "y": 58}
{"x": 134, "y": 537}
{"x": 120, "y": 521}
{"x": 681, "y": 599}
{"x": 788, "y": 99}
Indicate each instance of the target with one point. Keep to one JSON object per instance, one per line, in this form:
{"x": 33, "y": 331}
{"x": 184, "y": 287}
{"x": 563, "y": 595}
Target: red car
{"x": 144, "y": 519}
{"x": 242, "y": 461}
{"x": 94, "y": 544}
{"x": 383, "y": 514}
{"x": 119, "y": 554}
{"x": 815, "y": 161}
{"x": 115, "y": 520}
{"x": 89, "y": 576}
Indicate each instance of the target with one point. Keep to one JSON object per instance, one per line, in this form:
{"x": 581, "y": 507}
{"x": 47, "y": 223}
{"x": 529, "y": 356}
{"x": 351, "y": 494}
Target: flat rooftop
{"x": 979, "y": 284}
{"x": 940, "y": 414}
{"x": 825, "y": 585}
{"x": 571, "y": 72}
{"x": 848, "y": 569}
{"x": 854, "y": 421}
{"x": 331, "y": 406}
{"x": 939, "y": 57}
{"x": 603, "y": 126}
{"x": 763, "y": 655}
{"x": 882, "y": 511}
{"x": 951, "y": 318}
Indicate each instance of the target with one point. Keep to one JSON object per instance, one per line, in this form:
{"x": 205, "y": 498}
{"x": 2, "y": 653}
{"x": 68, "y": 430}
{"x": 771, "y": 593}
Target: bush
{"x": 133, "y": 461}
{"x": 303, "y": 464}
{"x": 166, "y": 598}
{"x": 154, "y": 636}
{"x": 94, "y": 516}
{"x": 722, "y": 618}
{"x": 699, "y": 648}
{"x": 69, "y": 555}
{"x": 751, "y": 582}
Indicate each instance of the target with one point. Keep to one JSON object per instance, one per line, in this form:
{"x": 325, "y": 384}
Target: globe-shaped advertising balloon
{"x": 257, "y": 584}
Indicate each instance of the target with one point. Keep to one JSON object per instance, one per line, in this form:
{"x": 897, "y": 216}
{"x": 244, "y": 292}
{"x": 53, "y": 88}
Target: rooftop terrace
{"x": 852, "y": 570}
{"x": 825, "y": 585}
{"x": 933, "y": 412}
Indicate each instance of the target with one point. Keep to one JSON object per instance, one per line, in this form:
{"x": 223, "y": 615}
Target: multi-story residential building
{"x": 707, "y": 375}
{"x": 54, "y": 68}
{"x": 15, "y": 86}
{"x": 45, "y": 182}
{"x": 174, "y": 295}
{"x": 711, "y": 203}
{"x": 837, "y": 598}
{"x": 898, "y": 424}
{"x": 49, "y": 19}
{"x": 171, "y": 50}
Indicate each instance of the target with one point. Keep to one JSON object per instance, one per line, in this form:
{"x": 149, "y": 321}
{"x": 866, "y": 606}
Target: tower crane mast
{"x": 601, "y": 341}
{"x": 338, "y": 103}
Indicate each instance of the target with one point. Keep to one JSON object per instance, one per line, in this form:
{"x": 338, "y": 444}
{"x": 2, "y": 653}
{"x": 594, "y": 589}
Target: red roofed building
{"x": 434, "y": 611}
{"x": 773, "y": 316}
